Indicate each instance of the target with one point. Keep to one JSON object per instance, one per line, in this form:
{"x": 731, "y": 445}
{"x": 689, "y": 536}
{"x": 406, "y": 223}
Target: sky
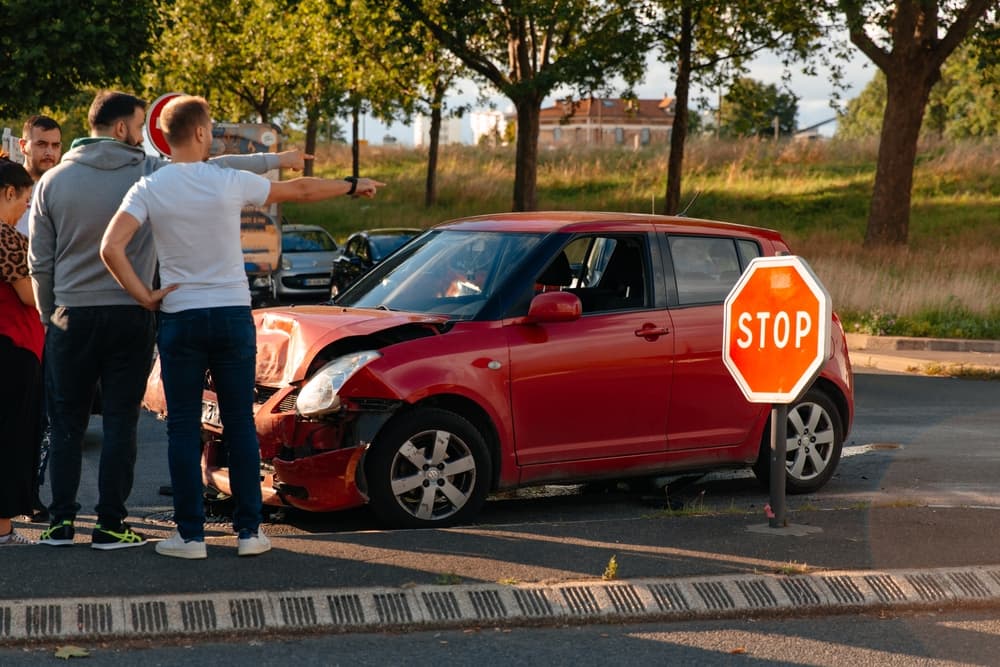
{"x": 814, "y": 92}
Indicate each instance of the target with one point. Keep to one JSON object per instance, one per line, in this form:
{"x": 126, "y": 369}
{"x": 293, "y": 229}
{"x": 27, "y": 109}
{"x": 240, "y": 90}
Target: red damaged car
{"x": 518, "y": 349}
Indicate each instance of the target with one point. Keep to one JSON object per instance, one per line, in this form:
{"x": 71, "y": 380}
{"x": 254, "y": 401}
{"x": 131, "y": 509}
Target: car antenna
{"x": 690, "y": 204}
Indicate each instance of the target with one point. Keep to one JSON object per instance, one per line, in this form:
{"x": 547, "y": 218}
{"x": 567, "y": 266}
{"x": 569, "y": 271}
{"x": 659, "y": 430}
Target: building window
{"x": 619, "y": 135}
{"x": 644, "y": 136}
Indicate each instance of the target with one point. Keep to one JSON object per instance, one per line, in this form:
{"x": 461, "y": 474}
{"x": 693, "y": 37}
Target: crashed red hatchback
{"x": 519, "y": 349}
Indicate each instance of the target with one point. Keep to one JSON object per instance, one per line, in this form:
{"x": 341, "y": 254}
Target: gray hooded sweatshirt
{"x": 72, "y": 206}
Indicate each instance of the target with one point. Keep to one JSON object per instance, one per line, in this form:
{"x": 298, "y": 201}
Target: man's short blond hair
{"x": 182, "y": 116}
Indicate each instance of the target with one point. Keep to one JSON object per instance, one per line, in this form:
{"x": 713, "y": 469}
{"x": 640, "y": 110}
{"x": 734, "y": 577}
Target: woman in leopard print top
{"x": 21, "y": 340}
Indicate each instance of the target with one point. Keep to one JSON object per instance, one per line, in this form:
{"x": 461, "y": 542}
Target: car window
{"x": 607, "y": 273}
{"x": 382, "y": 246}
{"x": 450, "y": 273}
{"x": 307, "y": 241}
{"x": 705, "y": 268}
{"x": 361, "y": 249}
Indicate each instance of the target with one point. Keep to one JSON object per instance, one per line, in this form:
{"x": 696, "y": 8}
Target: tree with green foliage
{"x": 711, "y": 43}
{"x": 909, "y": 41}
{"x": 749, "y": 109}
{"x": 409, "y": 72}
{"x": 51, "y": 50}
{"x": 244, "y": 57}
{"x": 526, "y": 49}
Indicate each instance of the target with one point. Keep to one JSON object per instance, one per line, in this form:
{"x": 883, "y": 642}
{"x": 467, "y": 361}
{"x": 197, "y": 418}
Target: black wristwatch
{"x": 353, "y": 180}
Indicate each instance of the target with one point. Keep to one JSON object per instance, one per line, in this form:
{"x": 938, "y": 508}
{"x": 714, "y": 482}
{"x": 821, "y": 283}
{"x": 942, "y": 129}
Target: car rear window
{"x": 707, "y": 267}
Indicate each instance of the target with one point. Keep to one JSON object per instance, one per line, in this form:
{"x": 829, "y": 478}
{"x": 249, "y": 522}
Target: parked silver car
{"x": 307, "y": 255}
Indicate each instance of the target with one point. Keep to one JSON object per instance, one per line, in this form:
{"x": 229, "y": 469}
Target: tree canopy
{"x": 750, "y": 107}
{"x": 51, "y": 49}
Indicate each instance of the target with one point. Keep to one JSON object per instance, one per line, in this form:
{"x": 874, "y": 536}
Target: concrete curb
{"x": 494, "y": 605}
{"x": 902, "y": 343}
{"x": 936, "y": 356}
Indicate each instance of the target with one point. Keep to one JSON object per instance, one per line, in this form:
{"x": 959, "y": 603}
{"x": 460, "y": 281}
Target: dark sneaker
{"x": 59, "y": 534}
{"x": 122, "y": 538}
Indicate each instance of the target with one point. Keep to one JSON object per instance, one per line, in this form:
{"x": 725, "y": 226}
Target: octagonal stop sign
{"x": 776, "y": 329}
{"x": 152, "y": 125}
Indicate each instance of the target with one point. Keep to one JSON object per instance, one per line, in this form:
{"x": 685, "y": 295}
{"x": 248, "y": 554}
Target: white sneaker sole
{"x": 187, "y": 553}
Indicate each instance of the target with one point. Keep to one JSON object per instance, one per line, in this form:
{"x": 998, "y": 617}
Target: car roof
{"x": 302, "y": 228}
{"x": 578, "y": 221}
{"x": 389, "y": 231}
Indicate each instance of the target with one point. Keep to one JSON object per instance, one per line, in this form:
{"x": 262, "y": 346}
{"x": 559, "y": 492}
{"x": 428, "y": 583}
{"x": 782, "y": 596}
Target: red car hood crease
{"x": 287, "y": 338}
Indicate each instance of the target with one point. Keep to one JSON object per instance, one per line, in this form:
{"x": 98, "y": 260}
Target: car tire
{"x": 412, "y": 483}
{"x": 815, "y": 437}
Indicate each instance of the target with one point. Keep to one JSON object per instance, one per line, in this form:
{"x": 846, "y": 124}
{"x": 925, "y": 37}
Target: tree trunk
{"x": 312, "y": 129}
{"x": 906, "y": 98}
{"x": 430, "y": 189}
{"x": 526, "y": 158}
{"x": 355, "y": 148}
{"x": 678, "y": 132}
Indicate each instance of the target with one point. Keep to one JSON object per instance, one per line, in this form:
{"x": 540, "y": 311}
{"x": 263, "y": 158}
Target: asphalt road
{"x": 916, "y": 489}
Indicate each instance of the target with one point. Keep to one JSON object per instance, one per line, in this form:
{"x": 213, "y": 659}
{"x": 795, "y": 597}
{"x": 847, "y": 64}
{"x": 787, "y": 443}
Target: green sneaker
{"x": 123, "y": 538}
{"x": 59, "y": 534}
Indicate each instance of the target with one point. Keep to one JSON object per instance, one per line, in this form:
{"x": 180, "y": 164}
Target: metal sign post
{"x": 779, "y": 452}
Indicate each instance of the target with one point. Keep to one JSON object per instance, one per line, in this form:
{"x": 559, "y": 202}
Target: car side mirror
{"x": 554, "y": 307}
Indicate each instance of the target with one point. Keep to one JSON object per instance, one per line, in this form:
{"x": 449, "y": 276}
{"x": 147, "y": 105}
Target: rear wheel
{"x": 427, "y": 468}
{"x": 814, "y": 437}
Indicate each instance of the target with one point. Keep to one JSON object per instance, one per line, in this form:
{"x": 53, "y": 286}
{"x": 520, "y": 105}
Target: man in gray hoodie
{"x": 95, "y": 331}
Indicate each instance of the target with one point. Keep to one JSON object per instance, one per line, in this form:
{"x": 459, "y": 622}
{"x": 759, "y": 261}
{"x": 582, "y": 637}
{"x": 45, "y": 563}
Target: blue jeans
{"x": 113, "y": 344}
{"x": 222, "y": 341}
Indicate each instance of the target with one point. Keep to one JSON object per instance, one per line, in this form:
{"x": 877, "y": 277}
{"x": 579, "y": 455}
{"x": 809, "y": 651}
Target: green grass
{"x": 816, "y": 194}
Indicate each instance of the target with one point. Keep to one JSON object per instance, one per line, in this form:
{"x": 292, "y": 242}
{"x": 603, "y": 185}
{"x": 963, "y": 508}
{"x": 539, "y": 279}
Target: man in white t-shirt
{"x": 193, "y": 210}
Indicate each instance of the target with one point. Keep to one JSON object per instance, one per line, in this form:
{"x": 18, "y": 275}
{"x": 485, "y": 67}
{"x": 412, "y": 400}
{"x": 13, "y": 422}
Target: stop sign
{"x": 776, "y": 329}
{"x": 153, "y": 130}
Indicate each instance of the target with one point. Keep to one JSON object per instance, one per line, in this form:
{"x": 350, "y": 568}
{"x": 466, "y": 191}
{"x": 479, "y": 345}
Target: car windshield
{"x": 447, "y": 272}
{"x": 308, "y": 240}
{"x": 384, "y": 245}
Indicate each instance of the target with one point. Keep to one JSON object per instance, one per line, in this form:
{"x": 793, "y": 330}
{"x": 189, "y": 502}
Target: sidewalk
{"x": 931, "y": 356}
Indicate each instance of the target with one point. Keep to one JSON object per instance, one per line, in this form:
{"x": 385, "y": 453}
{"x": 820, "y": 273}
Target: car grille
{"x": 287, "y": 404}
{"x": 262, "y": 393}
{"x": 299, "y": 281}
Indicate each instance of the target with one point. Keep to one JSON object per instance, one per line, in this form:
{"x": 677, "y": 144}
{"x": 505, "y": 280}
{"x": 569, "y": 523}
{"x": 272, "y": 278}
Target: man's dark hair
{"x": 110, "y": 106}
{"x": 39, "y": 121}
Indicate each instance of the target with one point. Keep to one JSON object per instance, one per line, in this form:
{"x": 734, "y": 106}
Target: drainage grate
{"x": 927, "y": 586}
{"x": 297, "y": 611}
{"x": 43, "y": 620}
{"x": 149, "y": 617}
{"x": 5, "y": 621}
{"x": 94, "y": 618}
{"x": 625, "y": 599}
{"x": 487, "y": 604}
{"x": 393, "y": 608}
{"x": 247, "y": 613}
{"x": 580, "y": 600}
{"x": 346, "y": 609}
{"x": 757, "y": 594}
{"x": 844, "y": 589}
{"x": 969, "y": 584}
{"x": 532, "y": 603}
{"x": 800, "y": 591}
{"x": 441, "y": 605}
{"x": 669, "y": 597}
{"x": 995, "y": 574}
{"x": 198, "y": 615}
{"x": 714, "y": 595}
{"x": 885, "y": 587}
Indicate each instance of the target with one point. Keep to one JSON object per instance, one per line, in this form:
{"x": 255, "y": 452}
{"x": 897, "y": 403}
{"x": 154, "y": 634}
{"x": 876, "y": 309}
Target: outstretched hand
{"x": 366, "y": 187}
{"x": 293, "y": 159}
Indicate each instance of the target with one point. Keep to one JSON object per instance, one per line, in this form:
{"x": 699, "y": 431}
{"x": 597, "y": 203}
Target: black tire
{"x": 815, "y": 436}
{"x": 404, "y": 471}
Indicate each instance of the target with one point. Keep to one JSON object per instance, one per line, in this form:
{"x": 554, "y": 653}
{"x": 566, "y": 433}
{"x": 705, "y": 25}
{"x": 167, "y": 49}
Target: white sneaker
{"x": 253, "y": 545}
{"x": 177, "y": 547}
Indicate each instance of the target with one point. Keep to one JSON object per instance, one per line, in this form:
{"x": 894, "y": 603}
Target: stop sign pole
{"x": 776, "y": 338}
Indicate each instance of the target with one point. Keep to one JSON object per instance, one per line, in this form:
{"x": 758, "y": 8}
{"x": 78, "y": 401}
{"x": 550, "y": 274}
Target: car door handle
{"x": 651, "y": 331}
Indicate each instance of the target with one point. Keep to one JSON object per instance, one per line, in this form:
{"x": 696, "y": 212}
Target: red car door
{"x": 597, "y": 387}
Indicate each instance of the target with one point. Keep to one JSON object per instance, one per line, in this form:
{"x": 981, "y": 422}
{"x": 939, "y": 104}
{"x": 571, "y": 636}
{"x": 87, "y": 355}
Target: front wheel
{"x": 814, "y": 437}
{"x": 428, "y": 468}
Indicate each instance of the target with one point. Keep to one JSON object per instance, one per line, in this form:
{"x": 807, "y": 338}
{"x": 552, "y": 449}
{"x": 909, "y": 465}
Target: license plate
{"x": 317, "y": 282}
{"x": 210, "y": 413}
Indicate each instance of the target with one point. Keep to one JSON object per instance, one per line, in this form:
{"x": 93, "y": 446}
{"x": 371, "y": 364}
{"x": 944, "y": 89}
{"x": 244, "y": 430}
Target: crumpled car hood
{"x": 288, "y": 338}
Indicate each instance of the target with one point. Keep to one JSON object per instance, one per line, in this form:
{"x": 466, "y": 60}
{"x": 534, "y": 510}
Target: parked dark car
{"x": 362, "y": 251}
{"x": 520, "y": 349}
{"x": 307, "y": 255}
